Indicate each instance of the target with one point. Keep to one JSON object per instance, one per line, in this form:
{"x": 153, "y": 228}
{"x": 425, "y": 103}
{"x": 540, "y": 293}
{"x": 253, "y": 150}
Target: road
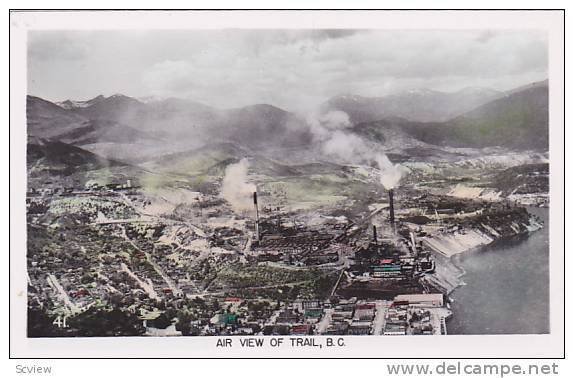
{"x": 325, "y": 321}
{"x": 246, "y": 249}
{"x": 379, "y": 322}
{"x": 71, "y": 307}
{"x": 147, "y": 287}
{"x": 173, "y": 287}
{"x": 337, "y": 283}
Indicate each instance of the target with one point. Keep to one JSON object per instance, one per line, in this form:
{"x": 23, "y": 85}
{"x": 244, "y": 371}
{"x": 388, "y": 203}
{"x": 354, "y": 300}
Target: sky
{"x": 293, "y": 69}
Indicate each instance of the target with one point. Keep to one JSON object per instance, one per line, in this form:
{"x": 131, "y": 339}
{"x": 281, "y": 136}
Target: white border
{"x": 530, "y": 346}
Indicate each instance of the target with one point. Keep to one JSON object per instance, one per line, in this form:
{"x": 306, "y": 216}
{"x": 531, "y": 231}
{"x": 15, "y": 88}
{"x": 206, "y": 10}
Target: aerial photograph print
{"x": 221, "y": 182}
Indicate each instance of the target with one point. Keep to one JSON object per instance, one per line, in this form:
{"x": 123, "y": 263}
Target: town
{"x": 103, "y": 261}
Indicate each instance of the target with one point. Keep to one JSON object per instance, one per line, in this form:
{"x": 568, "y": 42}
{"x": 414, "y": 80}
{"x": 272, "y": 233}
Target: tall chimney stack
{"x": 392, "y": 209}
{"x": 256, "y": 216}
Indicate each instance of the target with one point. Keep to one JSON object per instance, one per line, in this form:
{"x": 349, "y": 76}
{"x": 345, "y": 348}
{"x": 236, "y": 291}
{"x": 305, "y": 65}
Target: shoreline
{"x": 460, "y": 242}
{"x": 483, "y": 281}
{"x": 450, "y": 272}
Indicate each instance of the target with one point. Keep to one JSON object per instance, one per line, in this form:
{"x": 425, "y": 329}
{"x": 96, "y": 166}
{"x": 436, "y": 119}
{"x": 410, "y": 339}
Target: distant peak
{"x": 122, "y": 98}
{"x": 268, "y": 107}
{"x": 530, "y": 86}
{"x": 118, "y": 95}
{"x": 540, "y": 83}
{"x": 74, "y": 104}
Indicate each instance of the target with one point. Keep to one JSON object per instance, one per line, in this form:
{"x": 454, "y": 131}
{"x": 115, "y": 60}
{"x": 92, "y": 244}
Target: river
{"x": 507, "y": 287}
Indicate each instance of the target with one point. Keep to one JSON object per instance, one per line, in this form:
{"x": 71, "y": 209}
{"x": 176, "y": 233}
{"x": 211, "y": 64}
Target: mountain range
{"x": 420, "y": 105}
{"x": 517, "y": 120}
{"x": 118, "y": 126}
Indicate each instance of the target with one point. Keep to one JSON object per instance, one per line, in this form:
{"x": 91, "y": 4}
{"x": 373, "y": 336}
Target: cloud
{"x": 170, "y": 76}
{"x": 55, "y": 46}
{"x": 486, "y": 36}
{"x": 292, "y": 69}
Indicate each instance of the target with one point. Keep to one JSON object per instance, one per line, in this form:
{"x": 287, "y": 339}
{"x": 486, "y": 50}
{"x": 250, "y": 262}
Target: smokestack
{"x": 256, "y": 216}
{"x": 392, "y": 209}
{"x": 375, "y": 234}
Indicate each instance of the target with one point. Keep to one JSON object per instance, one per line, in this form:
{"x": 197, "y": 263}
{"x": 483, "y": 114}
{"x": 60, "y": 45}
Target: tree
{"x": 86, "y": 278}
{"x": 184, "y": 323}
{"x": 101, "y": 322}
{"x": 41, "y": 325}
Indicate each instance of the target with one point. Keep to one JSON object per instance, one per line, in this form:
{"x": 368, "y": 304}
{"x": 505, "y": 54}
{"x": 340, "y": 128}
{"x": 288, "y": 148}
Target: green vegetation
{"x": 527, "y": 178}
{"x": 276, "y": 283}
{"x": 519, "y": 120}
{"x": 101, "y": 322}
{"x": 241, "y": 276}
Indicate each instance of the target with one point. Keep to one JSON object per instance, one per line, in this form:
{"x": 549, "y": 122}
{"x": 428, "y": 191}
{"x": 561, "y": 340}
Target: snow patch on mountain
{"x": 75, "y": 104}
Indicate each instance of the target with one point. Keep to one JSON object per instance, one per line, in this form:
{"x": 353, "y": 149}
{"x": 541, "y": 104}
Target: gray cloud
{"x": 294, "y": 69}
{"x": 55, "y": 46}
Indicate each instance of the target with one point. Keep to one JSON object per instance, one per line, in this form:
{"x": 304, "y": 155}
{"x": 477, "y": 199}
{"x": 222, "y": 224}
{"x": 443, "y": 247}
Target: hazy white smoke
{"x": 236, "y": 189}
{"x": 330, "y": 131}
{"x": 322, "y": 123}
{"x": 390, "y": 173}
{"x": 348, "y": 147}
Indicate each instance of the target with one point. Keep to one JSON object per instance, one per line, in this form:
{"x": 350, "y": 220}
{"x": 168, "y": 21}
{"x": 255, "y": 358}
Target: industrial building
{"x": 423, "y": 300}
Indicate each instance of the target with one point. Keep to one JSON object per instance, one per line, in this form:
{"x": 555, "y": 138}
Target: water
{"x": 507, "y": 287}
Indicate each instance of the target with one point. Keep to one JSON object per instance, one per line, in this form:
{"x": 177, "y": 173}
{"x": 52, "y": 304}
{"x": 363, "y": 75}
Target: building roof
{"x": 418, "y": 297}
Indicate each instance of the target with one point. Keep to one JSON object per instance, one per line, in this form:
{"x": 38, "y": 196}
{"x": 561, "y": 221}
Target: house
{"x": 360, "y": 328}
{"x": 392, "y": 329}
{"x": 313, "y": 315}
{"x": 301, "y": 329}
{"x": 364, "y": 312}
{"x": 288, "y": 316}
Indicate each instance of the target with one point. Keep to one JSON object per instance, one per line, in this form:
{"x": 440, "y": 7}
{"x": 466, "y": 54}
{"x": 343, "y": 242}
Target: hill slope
{"x": 58, "y": 158}
{"x": 421, "y": 105}
{"x": 48, "y": 120}
{"x": 518, "y": 120}
{"x": 122, "y": 119}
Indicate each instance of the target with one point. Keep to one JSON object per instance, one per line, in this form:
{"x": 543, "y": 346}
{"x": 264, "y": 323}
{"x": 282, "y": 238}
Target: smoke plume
{"x": 390, "y": 173}
{"x": 331, "y": 131}
{"x": 236, "y": 189}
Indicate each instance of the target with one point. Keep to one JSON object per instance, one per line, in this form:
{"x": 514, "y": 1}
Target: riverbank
{"x": 447, "y": 247}
{"x": 482, "y": 233}
{"x": 503, "y": 287}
